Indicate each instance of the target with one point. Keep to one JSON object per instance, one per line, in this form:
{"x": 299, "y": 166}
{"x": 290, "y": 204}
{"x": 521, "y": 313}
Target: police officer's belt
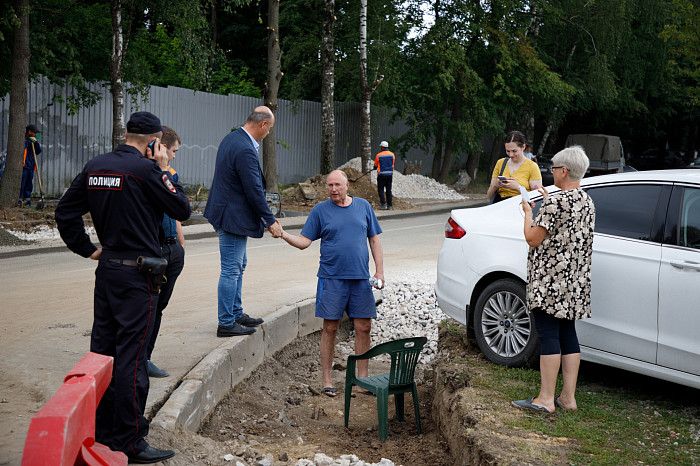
{"x": 152, "y": 267}
{"x": 129, "y": 262}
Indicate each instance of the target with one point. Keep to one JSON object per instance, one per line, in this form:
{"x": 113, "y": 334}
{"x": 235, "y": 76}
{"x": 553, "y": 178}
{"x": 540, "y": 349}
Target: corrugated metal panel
{"x": 202, "y": 120}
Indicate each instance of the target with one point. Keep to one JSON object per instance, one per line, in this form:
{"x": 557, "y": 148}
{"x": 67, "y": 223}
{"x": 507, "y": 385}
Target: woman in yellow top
{"x": 519, "y": 171}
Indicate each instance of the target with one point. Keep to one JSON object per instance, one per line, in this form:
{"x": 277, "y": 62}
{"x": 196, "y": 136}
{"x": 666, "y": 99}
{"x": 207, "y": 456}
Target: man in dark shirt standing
{"x": 126, "y": 193}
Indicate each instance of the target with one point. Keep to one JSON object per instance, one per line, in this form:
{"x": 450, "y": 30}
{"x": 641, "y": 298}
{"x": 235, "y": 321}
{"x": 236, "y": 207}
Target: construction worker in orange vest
{"x": 384, "y": 161}
{"x": 29, "y": 167}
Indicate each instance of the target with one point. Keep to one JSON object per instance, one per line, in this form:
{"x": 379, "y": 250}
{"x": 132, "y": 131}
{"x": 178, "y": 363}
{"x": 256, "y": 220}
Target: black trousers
{"x": 175, "y": 256}
{"x": 123, "y": 322}
{"x": 384, "y": 182}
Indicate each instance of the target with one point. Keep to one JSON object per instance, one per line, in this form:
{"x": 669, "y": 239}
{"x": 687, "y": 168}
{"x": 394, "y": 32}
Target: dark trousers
{"x": 175, "y": 256}
{"x": 27, "y": 186}
{"x": 124, "y": 313}
{"x": 384, "y": 182}
{"x": 557, "y": 336}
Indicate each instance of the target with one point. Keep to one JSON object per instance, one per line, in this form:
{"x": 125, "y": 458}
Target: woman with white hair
{"x": 559, "y": 278}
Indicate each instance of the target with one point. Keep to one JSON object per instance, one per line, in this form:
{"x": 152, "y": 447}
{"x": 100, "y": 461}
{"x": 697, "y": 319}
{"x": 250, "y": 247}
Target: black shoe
{"x": 150, "y": 455}
{"x": 234, "y": 330}
{"x": 155, "y": 371}
{"x": 248, "y": 321}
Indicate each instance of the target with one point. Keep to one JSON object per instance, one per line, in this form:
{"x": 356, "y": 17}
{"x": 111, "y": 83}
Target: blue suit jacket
{"x": 237, "y": 202}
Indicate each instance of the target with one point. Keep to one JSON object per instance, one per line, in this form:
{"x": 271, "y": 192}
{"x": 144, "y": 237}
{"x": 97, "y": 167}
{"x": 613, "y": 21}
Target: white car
{"x": 645, "y": 291}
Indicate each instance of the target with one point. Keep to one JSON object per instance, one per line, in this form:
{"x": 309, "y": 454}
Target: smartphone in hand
{"x": 524, "y": 194}
{"x": 152, "y": 146}
{"x": 502, "y": 178}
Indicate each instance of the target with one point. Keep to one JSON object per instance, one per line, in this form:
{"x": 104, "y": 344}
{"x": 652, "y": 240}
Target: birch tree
{"x": 327, "y": 89}
{"x": 367, "y": 89}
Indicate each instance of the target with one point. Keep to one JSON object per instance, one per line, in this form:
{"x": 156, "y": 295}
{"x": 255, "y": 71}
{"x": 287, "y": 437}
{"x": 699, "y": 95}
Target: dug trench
{"x": 279, "y": 416}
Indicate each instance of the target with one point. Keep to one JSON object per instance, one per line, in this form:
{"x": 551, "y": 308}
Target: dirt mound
{"x": 360, "y": 186}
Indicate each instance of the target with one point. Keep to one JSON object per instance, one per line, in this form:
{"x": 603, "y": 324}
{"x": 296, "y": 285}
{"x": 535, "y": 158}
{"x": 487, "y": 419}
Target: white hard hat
{"x": 383, "y": 144}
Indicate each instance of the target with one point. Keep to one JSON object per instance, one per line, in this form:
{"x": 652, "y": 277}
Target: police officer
{"x": 126, "y": 193}
{"x": 172, "y": 248}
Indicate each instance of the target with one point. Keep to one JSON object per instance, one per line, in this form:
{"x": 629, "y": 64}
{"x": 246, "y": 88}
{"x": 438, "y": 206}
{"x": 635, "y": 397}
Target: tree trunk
{"x": 446, "y": 161}
{"x": 11, "y": 180}
{"x": 455, "y": 117}
{"x": 550, "y": 126}
{"x": 473, "y": 165}
{"x": 497, "y": 152}
{"x": 529, "y": 122}
{"x": 116, "y": 74}
{"x": 213, "y": 26}
{"x": 437, "y": 156}
{"x": 327, "y": 90}
{"x": 553, "y": 122}
{"x": 272, "y": 86}
{"x": 367, "y": 91}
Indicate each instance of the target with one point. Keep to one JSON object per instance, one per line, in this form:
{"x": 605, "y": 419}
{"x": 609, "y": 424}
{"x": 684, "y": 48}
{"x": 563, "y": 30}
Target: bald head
{"x": 260, "y": 122}
{"x": 337, "y": 187}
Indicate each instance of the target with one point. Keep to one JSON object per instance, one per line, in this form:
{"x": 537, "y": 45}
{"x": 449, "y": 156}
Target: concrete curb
{"x": 222, "y": 369}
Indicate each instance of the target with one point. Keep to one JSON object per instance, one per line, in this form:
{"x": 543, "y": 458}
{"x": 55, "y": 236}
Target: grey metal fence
{"x": 201, "y": 120}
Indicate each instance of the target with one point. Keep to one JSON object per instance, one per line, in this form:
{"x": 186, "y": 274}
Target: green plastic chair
{"x": 404, "y": 357}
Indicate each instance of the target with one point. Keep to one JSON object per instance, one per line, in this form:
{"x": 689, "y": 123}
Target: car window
{"x": 690, "y": 219}
{"x": 626, "y": 211}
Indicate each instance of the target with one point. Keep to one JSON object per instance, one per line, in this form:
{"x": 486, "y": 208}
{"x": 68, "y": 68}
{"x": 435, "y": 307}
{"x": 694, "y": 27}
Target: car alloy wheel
{"x": 503, "y": 328}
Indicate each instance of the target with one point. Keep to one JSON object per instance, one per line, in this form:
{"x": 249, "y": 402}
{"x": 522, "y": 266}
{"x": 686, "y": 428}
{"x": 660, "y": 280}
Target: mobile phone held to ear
{"x": 524, "y": 194}
{"x": 152, "y": 146}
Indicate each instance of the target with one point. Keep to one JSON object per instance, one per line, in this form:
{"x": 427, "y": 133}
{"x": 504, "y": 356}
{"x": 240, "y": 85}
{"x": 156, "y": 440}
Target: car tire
{"x": 504, "y": 331}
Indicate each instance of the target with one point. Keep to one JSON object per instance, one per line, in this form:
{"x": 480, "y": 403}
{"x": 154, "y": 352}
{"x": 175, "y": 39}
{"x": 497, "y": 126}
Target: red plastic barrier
{"x": 63, "y": 431}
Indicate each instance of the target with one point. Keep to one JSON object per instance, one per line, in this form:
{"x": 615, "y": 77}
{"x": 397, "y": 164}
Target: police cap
{"x": 143, "y": 123}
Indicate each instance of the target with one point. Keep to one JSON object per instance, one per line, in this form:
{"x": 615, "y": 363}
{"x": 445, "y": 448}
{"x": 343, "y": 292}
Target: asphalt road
{"x": 47, "y": 310}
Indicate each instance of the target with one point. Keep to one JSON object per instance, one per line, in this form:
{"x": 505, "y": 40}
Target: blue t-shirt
{"x": 343, "y": 232}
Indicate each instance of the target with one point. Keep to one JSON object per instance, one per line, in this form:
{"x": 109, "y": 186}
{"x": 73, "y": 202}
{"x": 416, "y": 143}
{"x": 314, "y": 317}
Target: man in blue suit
{"x": 237, "y": 209}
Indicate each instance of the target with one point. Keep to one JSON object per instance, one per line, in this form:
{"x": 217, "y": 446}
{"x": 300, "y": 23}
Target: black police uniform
{"x": 126, "y": 195}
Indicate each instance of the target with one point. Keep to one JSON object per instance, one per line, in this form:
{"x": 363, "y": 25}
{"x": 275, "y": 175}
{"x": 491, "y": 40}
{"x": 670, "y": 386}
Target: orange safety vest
{"x": 24, "y": 160}
{"x": 384, "y": 161}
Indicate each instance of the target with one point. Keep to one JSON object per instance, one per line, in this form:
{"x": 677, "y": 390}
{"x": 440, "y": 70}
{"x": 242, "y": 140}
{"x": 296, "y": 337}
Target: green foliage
{"x": 684, "y": 40}
{"x": 628, "y": 67}
{"x": 70, "y": 44}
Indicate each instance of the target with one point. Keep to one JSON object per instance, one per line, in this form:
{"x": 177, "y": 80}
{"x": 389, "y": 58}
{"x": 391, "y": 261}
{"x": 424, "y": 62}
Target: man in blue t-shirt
{"x": 344, "y": 224}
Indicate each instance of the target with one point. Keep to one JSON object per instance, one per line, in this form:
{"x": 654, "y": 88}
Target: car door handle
{"x": 686, "y": 265}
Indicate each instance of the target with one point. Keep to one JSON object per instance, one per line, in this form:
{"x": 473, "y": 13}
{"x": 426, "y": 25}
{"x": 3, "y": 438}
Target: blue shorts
{"x": 334, "y": 297}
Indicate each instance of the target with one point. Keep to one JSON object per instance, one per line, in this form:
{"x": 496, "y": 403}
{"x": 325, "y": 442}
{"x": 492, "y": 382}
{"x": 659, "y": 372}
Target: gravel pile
{"x": 345, "y": 460}
{"x": 44, "y": 232}
{"x": 9, "y": 238}
{"x": 412, "y": 186}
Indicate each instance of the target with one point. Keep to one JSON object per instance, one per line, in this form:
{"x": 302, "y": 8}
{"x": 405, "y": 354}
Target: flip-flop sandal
{"x": 329, "y": 391}
{"x": 528, "y": 406}
{"x": 560, "y": 406}
{"x": 367, "y": 392}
